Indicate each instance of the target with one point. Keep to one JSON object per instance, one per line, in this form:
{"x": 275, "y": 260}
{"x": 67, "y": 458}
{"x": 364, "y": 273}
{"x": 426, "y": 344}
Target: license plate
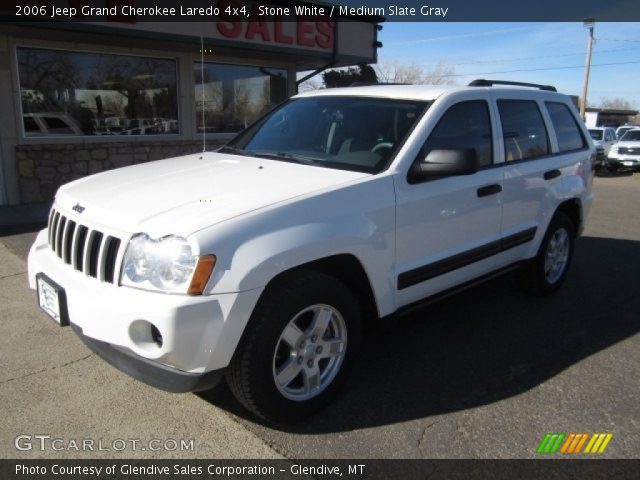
{"x": 628, "y": 164}
{"x": 52, "y": 299}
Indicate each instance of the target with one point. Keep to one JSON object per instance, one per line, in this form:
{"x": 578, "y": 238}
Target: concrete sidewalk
{"x": 51, "y": 384}
{"x": 23, "y": 218}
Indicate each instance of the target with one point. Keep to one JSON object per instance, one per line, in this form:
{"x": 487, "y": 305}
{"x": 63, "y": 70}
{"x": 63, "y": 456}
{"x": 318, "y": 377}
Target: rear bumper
{"x": 148, "y": 371}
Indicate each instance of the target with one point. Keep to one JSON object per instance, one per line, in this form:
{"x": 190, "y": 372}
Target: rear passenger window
{"x": 464, "y": 125}
{"x": 525, "y": 135}
{"x": 567, "y": 131}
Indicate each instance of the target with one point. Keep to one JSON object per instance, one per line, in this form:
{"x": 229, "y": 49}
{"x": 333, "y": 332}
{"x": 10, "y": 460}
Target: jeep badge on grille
{"x": 78, "y": 208}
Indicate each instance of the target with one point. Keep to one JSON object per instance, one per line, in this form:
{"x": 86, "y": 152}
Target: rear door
{"x": 537, "y": 157}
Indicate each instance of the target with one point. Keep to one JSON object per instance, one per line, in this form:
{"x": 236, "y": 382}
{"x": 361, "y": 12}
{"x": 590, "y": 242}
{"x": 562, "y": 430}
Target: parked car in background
{"x": 620, "y": 131}
{"x": 50, "y": 123}
{"x": 626, "y": 153}
{"x": 603, "y": 138}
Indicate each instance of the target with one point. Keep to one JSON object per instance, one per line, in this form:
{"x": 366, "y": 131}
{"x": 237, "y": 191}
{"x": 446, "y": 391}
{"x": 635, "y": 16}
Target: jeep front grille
{"x": 88, "y": 251}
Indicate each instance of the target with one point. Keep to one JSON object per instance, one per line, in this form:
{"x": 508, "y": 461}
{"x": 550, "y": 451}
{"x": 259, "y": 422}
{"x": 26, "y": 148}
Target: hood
{"x": 630, "y": 144}
{"x": 184, "y": 194}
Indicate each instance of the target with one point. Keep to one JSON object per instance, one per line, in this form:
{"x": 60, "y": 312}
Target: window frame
{"x": 585, "y": 142}
{"x": 545, "y": 124}
{"x": 492, "y": 133}
{"x": 231, "y": 135}
{"x": 184, "y": 77}
{"x": 53, "y": 139}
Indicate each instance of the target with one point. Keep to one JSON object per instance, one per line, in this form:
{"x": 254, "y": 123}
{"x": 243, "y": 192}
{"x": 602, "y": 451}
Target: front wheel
{"x": 298, "y": 347}
{"x": 544, "y": 274}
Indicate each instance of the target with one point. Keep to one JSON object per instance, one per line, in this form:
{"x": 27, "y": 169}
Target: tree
{"x": 384, "y": 72}
{"x": 396, "y": 72}
{"x": 616, "y": 104}
{"x": 343, "y": 78}
{"x": 313, "y": 83}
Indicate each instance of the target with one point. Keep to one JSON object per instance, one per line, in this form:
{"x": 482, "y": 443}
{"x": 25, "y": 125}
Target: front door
{"x": 448, "y": 229}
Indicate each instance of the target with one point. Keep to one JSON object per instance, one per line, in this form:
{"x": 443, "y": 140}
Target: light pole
{"x": 588, "y": 23}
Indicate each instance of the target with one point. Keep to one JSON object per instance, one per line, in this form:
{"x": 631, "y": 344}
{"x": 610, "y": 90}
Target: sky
{"x": 526, "y": 52}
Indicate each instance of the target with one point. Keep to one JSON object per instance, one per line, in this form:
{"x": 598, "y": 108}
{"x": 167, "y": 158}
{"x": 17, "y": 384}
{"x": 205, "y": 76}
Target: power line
{"x": 466, "y": 35}
{"x": 619, "y": 40}
{"x": 500, "y": 60}
{"x": 536, "y": 69}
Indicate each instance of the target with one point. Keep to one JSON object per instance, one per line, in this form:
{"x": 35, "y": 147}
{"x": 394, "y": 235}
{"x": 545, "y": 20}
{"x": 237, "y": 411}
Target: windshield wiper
{"x": 288, "y": 157}
{"x": 233, "y": 150}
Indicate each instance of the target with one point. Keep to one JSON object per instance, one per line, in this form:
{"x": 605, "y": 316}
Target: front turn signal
{"x": 201, "y": 275}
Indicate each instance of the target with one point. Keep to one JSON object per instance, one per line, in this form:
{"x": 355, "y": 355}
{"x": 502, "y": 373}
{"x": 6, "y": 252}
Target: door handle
{"x": 552, "y": 174}
{"x": 489, "y": 190}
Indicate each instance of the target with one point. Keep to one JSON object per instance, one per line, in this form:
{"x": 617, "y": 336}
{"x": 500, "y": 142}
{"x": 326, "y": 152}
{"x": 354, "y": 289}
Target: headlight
{"x": 166, "y": 264}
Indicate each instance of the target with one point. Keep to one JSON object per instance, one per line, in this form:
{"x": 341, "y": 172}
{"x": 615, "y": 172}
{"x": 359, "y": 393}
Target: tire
{"x": 546, "y": 272}
{"x": 298, "y": 348}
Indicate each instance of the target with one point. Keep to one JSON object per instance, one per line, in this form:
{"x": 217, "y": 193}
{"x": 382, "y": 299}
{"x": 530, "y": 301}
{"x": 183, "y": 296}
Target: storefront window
{"x": 73, "y": 93}
{"x": 233, "y": 96}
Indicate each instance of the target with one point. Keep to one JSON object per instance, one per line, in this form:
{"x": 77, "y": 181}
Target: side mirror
{"x": 444, "y": 163}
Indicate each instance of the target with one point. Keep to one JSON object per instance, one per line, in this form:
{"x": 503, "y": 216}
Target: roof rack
{"x": 481, "y": 82}
{"x": 371, "y": 84}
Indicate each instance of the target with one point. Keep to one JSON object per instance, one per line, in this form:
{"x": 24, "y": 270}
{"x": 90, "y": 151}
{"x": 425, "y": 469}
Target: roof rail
{"x": 371, "y": 84}
{"x": 481, "y": 82}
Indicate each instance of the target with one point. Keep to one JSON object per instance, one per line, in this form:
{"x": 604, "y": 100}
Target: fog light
{"x": 156, "y": 335}
{"x": 146, "y": 337}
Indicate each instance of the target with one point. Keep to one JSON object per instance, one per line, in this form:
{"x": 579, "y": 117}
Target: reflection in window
{"x": 234, "y": 96}
{"x": 564, "y": 123}
{"x": 525, "y": 135}
{"x": 466, "y": 125}
{"x": 74, "y": 93}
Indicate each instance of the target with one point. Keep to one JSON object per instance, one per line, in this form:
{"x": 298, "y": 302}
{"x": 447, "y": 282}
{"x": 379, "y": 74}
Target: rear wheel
{"x": 298, "y": 347}
{"x": 544, "y": 274}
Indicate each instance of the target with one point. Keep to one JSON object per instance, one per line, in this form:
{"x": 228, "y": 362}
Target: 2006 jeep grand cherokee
{"x": 261, "y": 262}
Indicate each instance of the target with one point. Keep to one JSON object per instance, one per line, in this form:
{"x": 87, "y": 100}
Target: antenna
{"x": 204, "y": 128}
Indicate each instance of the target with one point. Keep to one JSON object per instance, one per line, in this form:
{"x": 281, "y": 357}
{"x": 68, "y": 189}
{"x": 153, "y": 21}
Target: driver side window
{"x": 466, "y": 125}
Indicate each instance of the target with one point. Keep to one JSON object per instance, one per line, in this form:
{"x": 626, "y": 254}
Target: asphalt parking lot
{"x": 484, "y": 374}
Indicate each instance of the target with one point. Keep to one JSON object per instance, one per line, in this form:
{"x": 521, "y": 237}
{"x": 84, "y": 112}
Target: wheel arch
{"x": 573, "y": 209}
{"x": 346, "y": 268}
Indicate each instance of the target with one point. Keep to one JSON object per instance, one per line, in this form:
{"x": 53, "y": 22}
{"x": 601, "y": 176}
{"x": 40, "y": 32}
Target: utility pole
{"x": 588, "y": 23}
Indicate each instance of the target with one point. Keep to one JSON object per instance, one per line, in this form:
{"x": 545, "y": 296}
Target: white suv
{"x": 262, "y": 262}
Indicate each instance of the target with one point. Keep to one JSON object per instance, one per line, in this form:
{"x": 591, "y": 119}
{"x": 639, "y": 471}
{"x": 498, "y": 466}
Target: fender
{"x": 254, "y": 248}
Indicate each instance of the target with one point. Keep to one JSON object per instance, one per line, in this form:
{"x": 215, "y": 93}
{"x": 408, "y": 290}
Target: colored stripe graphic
{"x": 598, "y": 442}
{"x": 573, "y": 443}
{"x": 567, "y": 443}
{"x": 581, "y": 442}
{"x": 550, "y": 443}
{"x": 606, "y": 442}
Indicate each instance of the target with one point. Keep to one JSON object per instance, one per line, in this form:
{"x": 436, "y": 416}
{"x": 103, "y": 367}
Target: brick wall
{"x": 43, "y": 168}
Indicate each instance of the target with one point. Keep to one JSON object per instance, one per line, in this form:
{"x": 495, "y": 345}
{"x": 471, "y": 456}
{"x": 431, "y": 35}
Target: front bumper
{"x": 624, "y": 161}
{"x": 148, "y": 371}
{"x": 199, "y": 334}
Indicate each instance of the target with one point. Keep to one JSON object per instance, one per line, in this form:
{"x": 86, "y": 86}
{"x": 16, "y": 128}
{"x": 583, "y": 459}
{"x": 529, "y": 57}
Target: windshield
{"x": 631, "y": 136}
{"x": 596, "y": 134}
{"x": 351, "y": 133}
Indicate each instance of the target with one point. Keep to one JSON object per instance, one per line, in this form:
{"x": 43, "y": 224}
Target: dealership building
{"x": 81, "y": 97}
